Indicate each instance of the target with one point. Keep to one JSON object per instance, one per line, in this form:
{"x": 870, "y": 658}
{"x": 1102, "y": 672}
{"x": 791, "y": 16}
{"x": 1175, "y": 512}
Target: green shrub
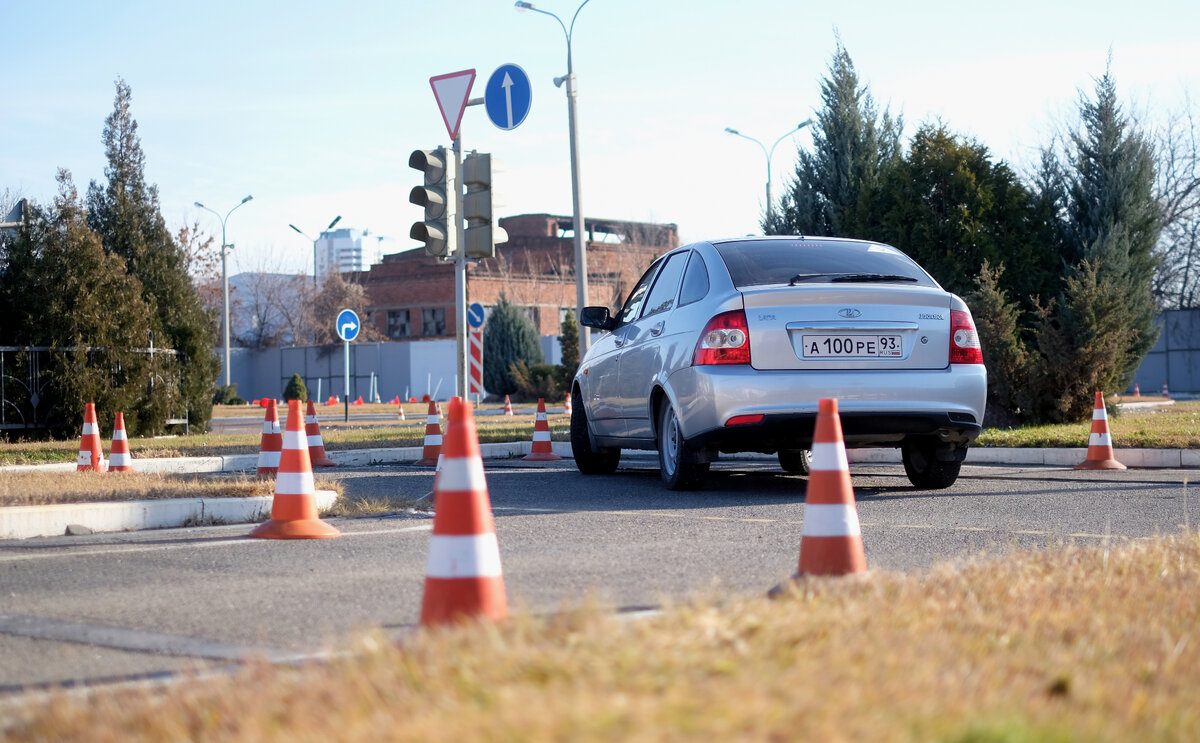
{"x": 295, "y": 389}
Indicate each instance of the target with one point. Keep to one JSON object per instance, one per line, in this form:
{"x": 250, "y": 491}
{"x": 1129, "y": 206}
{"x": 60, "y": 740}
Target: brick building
{"x": 411, "y": 295}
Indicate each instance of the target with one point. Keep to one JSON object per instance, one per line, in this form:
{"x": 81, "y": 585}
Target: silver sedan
{"x": 727, "y": 346}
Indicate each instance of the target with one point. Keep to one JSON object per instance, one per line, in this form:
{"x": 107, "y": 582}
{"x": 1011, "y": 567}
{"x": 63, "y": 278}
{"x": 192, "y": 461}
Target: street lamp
{"x": 225, "y": 276}
{"x": 581, "y": 280}
{"x": 314, "y": 242}
{"x": 735, "y": 132}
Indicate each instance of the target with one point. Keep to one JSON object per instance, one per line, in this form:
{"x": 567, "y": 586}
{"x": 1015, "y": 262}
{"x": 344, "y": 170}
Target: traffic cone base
{"x": 294, "y": 508}
{"x": 1100, "y": 454}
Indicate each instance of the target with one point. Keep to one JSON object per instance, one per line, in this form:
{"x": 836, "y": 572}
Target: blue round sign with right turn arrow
{"x": 508, "y": 96}
{"x": 347, "y": 325}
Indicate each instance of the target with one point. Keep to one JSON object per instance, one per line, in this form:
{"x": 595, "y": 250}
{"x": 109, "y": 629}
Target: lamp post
{"x": 769, "y": 154}
{"x": 314, "y": 242}
{"x": 225, "y": 276}
{"x": 581, "y": 273}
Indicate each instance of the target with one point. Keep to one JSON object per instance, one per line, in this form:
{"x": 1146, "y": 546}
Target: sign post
{"x": 347, "y": 330}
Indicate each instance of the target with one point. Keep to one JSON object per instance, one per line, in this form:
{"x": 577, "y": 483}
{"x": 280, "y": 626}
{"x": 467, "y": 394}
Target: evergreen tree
{"x": 508, "y": 337}
{"x": 952, "y": 209}
{"x": 1112, "y": 222}
{"x": 296, "y": 389}
{"x": 62, "y": 290}
{"x": 568, "y": 341}
{"x": 834, "y": 189}
{"x": 125, "y": 213}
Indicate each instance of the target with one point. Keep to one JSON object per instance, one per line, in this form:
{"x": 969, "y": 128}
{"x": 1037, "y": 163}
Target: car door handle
{"x": 658, "y": 328}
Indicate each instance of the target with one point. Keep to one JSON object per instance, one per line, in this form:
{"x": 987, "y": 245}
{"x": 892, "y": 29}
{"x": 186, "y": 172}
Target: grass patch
{"x": 1174, "y": 427}
{"x": 1068, "y": 644}
{"x": 46, "y": 488}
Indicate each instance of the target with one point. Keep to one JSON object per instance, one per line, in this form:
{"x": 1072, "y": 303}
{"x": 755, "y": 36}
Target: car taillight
{"x": 964, "y": 340}
{"x": 725, "y": 340}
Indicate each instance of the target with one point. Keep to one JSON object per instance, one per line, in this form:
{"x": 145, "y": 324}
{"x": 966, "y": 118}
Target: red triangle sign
{"x": 451, "y": 91}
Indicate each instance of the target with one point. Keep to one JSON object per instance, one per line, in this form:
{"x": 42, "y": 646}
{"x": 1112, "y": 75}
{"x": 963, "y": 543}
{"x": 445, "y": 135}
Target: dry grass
{"x": 1174, "y": 427}
{"x": 1070, "y": 644}
{"x": 44, "y": 488}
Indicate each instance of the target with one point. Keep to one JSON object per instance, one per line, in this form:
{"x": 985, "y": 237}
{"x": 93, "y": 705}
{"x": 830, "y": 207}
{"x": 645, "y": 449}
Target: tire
{"x": 923, "y": 467}
{"x": 795, "y": 461}
{"x": 680, "y": 468}
{"x": 588, "y": 460}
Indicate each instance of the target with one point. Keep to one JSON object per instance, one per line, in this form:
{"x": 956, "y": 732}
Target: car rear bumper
{"x": 876, "y": 408}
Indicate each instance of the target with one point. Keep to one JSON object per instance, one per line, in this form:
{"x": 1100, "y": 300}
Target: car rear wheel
{"x": 588, "y": 460}
{"x": 681, "y": 469}
{"x": 924, "y": 468}
{"x": 795, "y": 461}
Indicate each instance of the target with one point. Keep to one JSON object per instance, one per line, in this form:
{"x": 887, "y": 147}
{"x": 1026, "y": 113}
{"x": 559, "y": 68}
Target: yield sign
{"x": 451, "y": 91}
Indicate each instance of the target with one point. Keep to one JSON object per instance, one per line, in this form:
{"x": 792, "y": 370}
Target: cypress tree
{"x": 125, "y": 213}
{"x": 835, "y": 185}
{"x": 508, "y": 337}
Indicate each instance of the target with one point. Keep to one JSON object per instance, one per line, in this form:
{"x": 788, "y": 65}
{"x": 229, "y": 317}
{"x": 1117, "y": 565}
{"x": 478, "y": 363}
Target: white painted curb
{"x": 22, "y": 522}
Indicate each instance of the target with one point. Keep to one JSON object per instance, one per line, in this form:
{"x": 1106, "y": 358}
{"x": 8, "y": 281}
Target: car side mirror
{"x": 597, "y": 317}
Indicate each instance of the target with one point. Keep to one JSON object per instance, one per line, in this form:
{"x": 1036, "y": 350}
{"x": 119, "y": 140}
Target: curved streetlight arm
{"x": 225, "y": 277}
{"x": 768, "y": 154}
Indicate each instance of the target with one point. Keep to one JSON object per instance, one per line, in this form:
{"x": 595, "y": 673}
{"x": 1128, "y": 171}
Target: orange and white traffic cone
{"x": 507, "y": 406}
{"x": 433, "y": 436}
{"x": 294, "y": 508}
{"x": 831, "y": 541}
{"x": 463, "y": 579}
{"x": 1100, "y": 451}
{"x": 1137, "y": 392}
{"x": 91, "y": 456}
{"x": 567, "y": 406}
{"x": 400, "y": 412}
{"x": 1165, "y": 393}
{"x": 541, "y": 451}
{"x": 316, "y": 445}
{"x": 119, "y": 459}
{"x": 271, "y": 443}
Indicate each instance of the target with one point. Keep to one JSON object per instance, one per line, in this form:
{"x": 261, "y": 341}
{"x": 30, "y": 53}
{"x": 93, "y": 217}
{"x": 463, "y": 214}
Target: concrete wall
{"x": 407, "y": 369}
{"x": 1175, "y": 358}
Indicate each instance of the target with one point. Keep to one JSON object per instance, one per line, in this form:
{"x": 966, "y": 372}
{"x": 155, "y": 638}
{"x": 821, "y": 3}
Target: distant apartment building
{"x": 411, "y": 295}
{"x": 347, "y": 250}
{"x": 15, "y": 217}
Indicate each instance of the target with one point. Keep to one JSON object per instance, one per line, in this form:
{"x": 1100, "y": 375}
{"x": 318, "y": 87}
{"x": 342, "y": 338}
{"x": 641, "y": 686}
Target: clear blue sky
{"x": 313, "y": 107}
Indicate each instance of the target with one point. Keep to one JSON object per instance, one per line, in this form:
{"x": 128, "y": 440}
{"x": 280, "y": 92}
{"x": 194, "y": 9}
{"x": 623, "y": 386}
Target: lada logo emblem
{"x": 849, "y": 312}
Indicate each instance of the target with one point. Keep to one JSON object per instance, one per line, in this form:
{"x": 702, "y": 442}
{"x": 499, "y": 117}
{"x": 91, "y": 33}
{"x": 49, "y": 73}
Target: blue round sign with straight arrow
{"x": 508, "y": 96}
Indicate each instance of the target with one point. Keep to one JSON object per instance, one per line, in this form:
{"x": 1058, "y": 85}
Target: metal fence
{"x": 1174, "y": 362}
{"x": 24, "y": 378}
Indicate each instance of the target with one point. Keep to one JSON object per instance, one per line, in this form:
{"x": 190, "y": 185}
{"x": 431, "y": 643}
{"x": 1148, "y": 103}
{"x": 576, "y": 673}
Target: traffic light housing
{"x": 439, "y": 228}
{"x": 481, "y": 233}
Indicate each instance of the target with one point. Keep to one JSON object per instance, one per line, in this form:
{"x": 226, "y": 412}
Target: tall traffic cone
{"x": 1137, "y": 392}
{"x": 400, "y": 412}
{"x": 541, "y": 451}
{"x": 433, "y": 437}
{"x": 1100, "y": 451}
{"x": 567, "y": 405}
{"x": 507, "y": 406}
{"x": 119, "y": 459}
{"x": 316, "y": 445}
{"x": 463, "y": 579}
{"x": 831, "y": 541}
{"x": 294, "y": 508}
{"x": 271, "y": 443}
{"x": 91, "y": 456}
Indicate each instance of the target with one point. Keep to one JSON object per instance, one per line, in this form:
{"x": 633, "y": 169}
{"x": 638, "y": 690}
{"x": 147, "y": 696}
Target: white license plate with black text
{"x": 850, "y": 346}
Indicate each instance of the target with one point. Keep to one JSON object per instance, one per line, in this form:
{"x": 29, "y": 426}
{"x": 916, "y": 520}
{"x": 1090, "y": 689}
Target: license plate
{"x": 850, "y": 346}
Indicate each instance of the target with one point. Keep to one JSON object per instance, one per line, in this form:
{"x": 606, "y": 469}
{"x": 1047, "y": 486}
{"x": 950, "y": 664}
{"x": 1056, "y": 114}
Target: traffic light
{"x": 481, "y": 234}
{"x": 439, "y": 229}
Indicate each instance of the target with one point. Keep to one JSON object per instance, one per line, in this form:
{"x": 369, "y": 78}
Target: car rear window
{"x": 759, "y": 262}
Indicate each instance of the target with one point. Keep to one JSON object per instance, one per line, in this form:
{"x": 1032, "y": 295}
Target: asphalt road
{"x": 119, "y": 605}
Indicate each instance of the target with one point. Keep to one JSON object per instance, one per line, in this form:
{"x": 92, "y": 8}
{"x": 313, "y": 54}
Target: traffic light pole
{"x": 460, "y": 275}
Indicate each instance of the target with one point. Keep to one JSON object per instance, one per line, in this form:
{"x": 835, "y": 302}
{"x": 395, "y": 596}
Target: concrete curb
{"x": 22, "y": 522}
